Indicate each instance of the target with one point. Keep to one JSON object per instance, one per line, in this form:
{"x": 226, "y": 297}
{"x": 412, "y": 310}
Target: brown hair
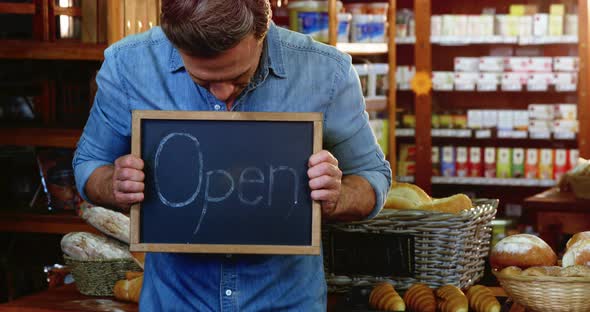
{"x": 208, "y": 27}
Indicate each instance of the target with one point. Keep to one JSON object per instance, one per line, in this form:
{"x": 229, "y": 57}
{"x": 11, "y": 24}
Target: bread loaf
{"x": 511, "y": 270}
{"x": 542, "y": 271}
{"x": 577, "y": 237}
{"x": 481, "y": 299}
{"x": 420, "y": 298}
{"x": 523, "y": 251}
{"x": 451, "y": 299}
{"x": 578, "y": 253}
{"x": 88, "y": 246}
{"x": 451, "y": 204}
{"x": 406, "y": 196}
{"x": 128, "y": 290}
{"x": 111, "y": 223}
{"x": 384, "y": 297}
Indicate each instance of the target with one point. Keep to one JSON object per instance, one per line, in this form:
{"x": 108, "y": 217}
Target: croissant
{"x": 451, "y": 299}
{"x": 420, "y": 298}
{"x": 384, "y": 297}
{"x": 128, "y": 290}
{"x": 481, "y": 299}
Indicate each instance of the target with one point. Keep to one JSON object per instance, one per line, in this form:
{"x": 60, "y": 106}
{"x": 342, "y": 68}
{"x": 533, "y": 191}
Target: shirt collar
{"x": 272, "y": 55}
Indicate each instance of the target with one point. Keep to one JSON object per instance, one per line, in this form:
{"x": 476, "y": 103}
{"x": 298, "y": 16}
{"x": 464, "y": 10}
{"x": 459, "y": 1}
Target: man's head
{"x": 220, "y": 41}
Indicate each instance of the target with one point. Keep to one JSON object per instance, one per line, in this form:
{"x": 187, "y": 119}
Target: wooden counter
{"x": 57, "y": 223}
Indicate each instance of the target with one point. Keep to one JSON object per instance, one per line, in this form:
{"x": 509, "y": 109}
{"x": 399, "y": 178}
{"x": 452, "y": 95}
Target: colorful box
{"x": 435, "y": 161}
{"x": 518, "y": 156}
{"x": 447, "y": 166}
{"x": 573, "y": 158}
{"x": 546, "y": 164}
{"x": 531, "y": 168}
{"x": 489, "y": 162}
{"x": 475, "y": 162}
{"x": 540, "y": 24}
{"x": 561, "y": 160}
{"x": 504, "y": 163}
{"x": 462, "y": 163}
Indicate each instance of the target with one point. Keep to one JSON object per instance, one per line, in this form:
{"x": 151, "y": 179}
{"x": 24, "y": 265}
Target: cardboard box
{"x": 570, "y": 126}
{"x": 490, "y": 119}
{"x": 462, "y": 163}
{"x": 541, "y": 24}
{"x": 541, "y": 64}
{"x": 442, "y": 81}
{"x": 571, "y": 25}
{"x": 475, "y": 162}
{"x": 505, "y": 120}
{"x": 518, "y": 156}
{"x": 489, "y": 162}
{"x": 406, "y": 168}
{"x": 475, "y": 118}
{"x": 407, "y": 152}
{"x": 381, "y": 131}
{"x": 465, "y": 81}
{"x": 566, "y": 64}
{"x": 435, "y": 161}
{"x": 557, "y": 9}
{"x": 504, "y": 163}
{"x": 447, "y": 166}
{"x": 546, "y": 164}
{"x": 491, "y": 64}
{"x": 531, "y": 168}
{"x": 541, "y": 111}
{"x": 436, "y": 25}
{"x": 573, "y": 158}
{"x": 466, "y": 64}
{"x": 561, "y": 160}
{"x": 521, "y": 119}
{"x": 525, "y": 26}
{"x": 556, "y": 25}
{"x": 517, "y": 64}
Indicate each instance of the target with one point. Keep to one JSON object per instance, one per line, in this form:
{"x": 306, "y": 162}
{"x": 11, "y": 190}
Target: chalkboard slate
{"x": 226, "y": 182}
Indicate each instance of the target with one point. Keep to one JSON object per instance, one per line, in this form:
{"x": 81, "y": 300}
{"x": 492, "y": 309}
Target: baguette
{"x": 481, "y": 299}
{"x": 109, "y": 222}
{"x": 452, "y": 204}
{"x": 420, "y": 298}
{"x": 451, "y": 299}
{"x": 406, "y": 196}
{"x": 384, "y": 297}
{"x": 88, "y": 246}
{"x": 128, "y": 290}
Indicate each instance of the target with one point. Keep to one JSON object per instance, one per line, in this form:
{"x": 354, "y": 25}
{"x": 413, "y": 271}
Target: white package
{"x": 566, "y": 63}
{"x": 466, "y": 64}
{"x": 491, "y": 64}
{"x": 541, "y": 24}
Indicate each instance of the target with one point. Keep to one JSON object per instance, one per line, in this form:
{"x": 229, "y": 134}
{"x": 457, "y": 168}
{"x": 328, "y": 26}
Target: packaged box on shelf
{"x": 462, "y": 164}
{"x": 505, "y": 120}
{"x": 571, "y": 25}
{"x": 540, "y": 125}
{"x": 459, "y": 121}
{"x": 378, "y": 80}
{"x": 521, "y": 119}
{"x": 363, "y": 71}
{"x": 541, "y": 111}
{"x": 475, "y": 162}
{"x": 489, "y": 160}
{"x": 435, "y": 161}
{"x": 491, "y": 64}
{"x": 541, "y": 24}
{"x": 566, "y": 64}
{"x": 525, "y": 26}
{"x": 406, "y": 168}
{"x": 409, "y": 121}
{"x": 460, "y": 26}
{"x": 507, "y": 25}
{"x": 540, "y": 64}
{"x": 565, "y": 79}
{"x": 513, "y": 81}
{"x": 573, "y": 158}
{"x": 380, "y": 129}
{"x": 465, "y": 81}
{"x": 404, "y": 75}
{"x": 504, "y": 163}
{"x": 475, "y": 119}
{"x": 442, "y": 81}
{"x": 556, "y": 25}
{"x": 567, "y": 126}
{"x": 560, "y": 167}
{"x": 565, "y": 111}
{"x": 488, "y": 81}
{"x": 518, "y": 156}
{"x": 448, "y": 25}
{"x": 539, "y": 81}
{"x": 546, "y": 164}
{"x": 446, "y": 120}
{"x": 531, "y": 168}
{"x": 480, "y": 25}
{"x": 436, "y": 25}
{"x": 490, "y": 118}
{"x": 466, "y": 64}
{"x": 447, "y": 164}
{"x": 557, "y": 9}
{"x": 407, "y": 152}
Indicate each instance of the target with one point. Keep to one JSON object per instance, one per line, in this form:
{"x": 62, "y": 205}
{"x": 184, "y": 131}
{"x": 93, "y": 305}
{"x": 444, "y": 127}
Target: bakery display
{"x": 420, "y": 298}
{"x": 409, "y": 196}
{"x": 109, "y": 222}
{"x": 385, "y": 298}
{"x": 451, "y": 299}
{"x": 88, "y": 246}
{"x": 523, "y": 251}
{"x": 481, "y": 299}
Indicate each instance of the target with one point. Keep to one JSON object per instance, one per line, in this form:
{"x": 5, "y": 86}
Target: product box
{"x": 517, "y": 64}
{"x": 465, "y": 81}
{"x": 435, "y": 25}
{"x": 448, "y": 25}
{"x": 504, "y": 163}
{"x": 466, "y": 64}
{"x": 490, "y": 119}
{"x": 531, "y": 167}
{"x": 513, "y": 81}
{"x": 488, "y": 81}
{"x": 462, "y": 163}
{"x": 518, "y": 156}
{"x": 561, "y": 166}
{"x": 556, "y": 25}
{"x": 565, "y": 126}
{"x": 557, "y": 9}
{"x": 447, "y": 164}
{"x": 541, "y": 111}
{"x": 435, "y": 161}
{"x": 573, "y": 158}
{"x": 474, "y": 118}
{"x": 505, "y": 120}
{"x": 442, "y": 81}
{"x": 546, "y": 164}
{"x": 540, "y": 24}
{"x": 380, "y": 129}
{"x": 571, "y": 25}
{"x": 406, "y": 168}
{"x": 487, "y": 22}
{"x": 489, "y": 159}
{"x": 407, "y": 152}
{"x": 566, "y": 64}
{"x": 525, "y": 26}
{"x": 491, "y": 64}
{"x": 521, "y": 119}
{"x": 540, "y": 64}
{"x": 565, "y": 81}
{"x": 475, "y": 162}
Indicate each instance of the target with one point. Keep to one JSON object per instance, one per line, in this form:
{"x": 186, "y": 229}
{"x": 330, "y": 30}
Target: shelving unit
{"x": 19, "y": 222}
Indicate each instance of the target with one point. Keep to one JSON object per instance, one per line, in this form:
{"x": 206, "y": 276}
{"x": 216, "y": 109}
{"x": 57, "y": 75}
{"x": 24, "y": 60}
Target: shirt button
{"x": 228, "y": 292}
{"x": 217, "y": 107}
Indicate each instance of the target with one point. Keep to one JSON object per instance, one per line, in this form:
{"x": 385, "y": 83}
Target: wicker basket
{"x": 448, "y": 248}
{"x": 580, "y": 186}
{"x": 98, "y": 277}
{"x": 548, "y": 293}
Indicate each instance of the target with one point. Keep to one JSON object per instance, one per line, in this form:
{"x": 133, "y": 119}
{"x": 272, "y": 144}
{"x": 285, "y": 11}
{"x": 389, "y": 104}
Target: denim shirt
{"x": 296, "y": 74}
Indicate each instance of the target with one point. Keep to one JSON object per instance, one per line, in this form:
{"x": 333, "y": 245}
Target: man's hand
{"x": 119, "y": 185}
{"x": 325, "y": 180}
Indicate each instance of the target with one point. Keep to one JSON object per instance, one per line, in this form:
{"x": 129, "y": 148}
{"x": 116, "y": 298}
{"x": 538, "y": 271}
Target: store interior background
{"x": 472, "y": 52}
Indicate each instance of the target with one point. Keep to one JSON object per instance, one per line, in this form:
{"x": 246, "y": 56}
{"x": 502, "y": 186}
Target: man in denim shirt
{"x": 228, "y": 55}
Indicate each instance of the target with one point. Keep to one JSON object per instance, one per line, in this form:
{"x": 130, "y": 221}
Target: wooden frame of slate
{"x": 226, "y": 182}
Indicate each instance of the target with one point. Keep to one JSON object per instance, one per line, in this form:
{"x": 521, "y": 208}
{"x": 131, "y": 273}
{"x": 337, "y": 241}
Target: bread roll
{"x": 451, "y": 299}
{"x": 451, "y": 204}
{"x": 578, "y": 253}
{"x": 128, "y": 290}
{"x": 576, "y": 271}
{"x": 542, "y": 271}
{"x": 577, "y": 237}
{"x": 523, "y": 251}
{"x": 481, "y": 299}
{"x": 420, "y": 298}
{"x": 88, "y": 246}
{"x": 384, "y": 297}
{"x": 109, "y": 222}
{"x": 511, "y": 270}
{"x": 406, "y": 196}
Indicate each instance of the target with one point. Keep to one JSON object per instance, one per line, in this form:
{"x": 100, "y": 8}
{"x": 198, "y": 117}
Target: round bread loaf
{"x": 523, "y": 251}
{"x": 578, "y": 253}
{"x": 578, "y": 237}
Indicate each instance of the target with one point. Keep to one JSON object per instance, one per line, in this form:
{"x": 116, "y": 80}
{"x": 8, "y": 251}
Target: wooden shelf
{"x": 482, "y": 181}
{"x": 73, "y": 11}
{"x": 553, "y": 199}
{"x": 61, "y": 223}
{"x": 362, "y": 49}
{"x": 67, "y": 138}
{"x": 58, "y": 50}
{"x": 17, "y": 8}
